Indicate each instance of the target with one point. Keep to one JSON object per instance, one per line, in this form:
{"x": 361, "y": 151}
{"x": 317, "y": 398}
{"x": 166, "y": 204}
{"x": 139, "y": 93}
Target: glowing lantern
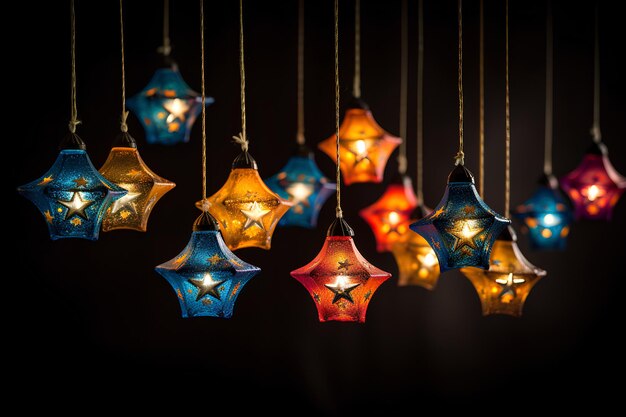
{"x": 364, "y": 146}
{"x": 389, "y": 211}
{"x": 72, "y": 195}
{"x": 546, "y": 216}
{"x": 462, "y": 228}
{"x": 503, "y": 288}
{"x": 302, "y": 183}
{"x": 339, "y": 279}
{"x": 167, "y": 107}
{"x": 594, "y": 186}
{"x": 206, "y": 276}
{"x": 248, "y": 211}
{"x": 125, "y": 168}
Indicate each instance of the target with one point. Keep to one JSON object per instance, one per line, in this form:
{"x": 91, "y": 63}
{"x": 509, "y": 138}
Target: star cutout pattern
{"x": 365, "y": 147}
{"x": 458, "y": 235}
{"x": 340, "y": 295}
{"x": 207, "y": 288}
{"x": 301, "y": 182}
{"x": 125, "y": 168}
{"x": 72, "y": 189}
{"x": 167, "y": 107}
{"x": 248, "y": 211}
{"x": 417, "y": 261}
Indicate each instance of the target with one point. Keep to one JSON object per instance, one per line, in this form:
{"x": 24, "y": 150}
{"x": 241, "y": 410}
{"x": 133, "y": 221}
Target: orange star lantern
{"x": 503, "y": 288}
{"x": 364, "y": 146}
{"x": 247, "y": 210}
{"x": 339, "y": 279}
{"x": 125, "y": 168}
{"x": 389, "y": 211}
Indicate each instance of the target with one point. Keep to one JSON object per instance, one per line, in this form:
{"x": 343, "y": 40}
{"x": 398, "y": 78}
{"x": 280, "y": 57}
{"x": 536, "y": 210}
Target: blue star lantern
{"x": 72, "y": 195}
{"x": 462, "y": 228}
{"x": 546, "y": 216}
{"x": 301, "y": 182}
{"x": 167, "y": 107}
{"x": 206, "y": 275}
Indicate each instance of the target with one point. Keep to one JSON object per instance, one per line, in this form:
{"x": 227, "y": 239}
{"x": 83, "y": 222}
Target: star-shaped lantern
{"x": 72, "y": 195}
{"x": 594, "y": 186}
{"x": 248, "y": 211}
{"x": 167, "y": 107}
{"x": 364, "y": 146}
{"x": 206, "y": 276}
{"x": 389, "y": 211}
{"x": 302, "y": 183}
{"x": 462, "y": 228}
{"x": 503, "y": 288}
{"x": 339, "y": 279}
{"x": 125, "y": 168}
{"x": 546, "y": 216}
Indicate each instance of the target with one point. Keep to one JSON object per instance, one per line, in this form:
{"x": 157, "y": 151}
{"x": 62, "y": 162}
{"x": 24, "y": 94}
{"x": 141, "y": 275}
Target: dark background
{"x": 96, "y": 314}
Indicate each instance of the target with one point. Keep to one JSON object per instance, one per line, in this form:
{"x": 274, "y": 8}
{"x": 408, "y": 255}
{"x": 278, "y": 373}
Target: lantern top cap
{"x": 460, "y": 174}
{"x": 206, "y": 223}
{"x": 339, "y": 227}
{"x": 304, "y": 151}
{"x": 508, "y": 235}
{"x": 245, "y": 160}
{"x": 72, "y": 141}
{"x": 598, "y": 148}
{"x": 124, "y": 140}
{"x": 357, "y": 103}
{"x": 548, "y": 180}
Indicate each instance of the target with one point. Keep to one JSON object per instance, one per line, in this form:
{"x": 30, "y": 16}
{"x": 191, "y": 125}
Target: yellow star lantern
{"x": 247, "y": 210}
{"x": 503, "y": 288}
{"x": 417, "y": 261}
{"x": 125, "y": 168}
{"x": 364, "y": 146}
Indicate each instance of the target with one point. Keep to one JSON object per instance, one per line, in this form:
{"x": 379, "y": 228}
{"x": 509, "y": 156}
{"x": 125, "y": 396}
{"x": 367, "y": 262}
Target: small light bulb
{"x": 593, "y": 192}
{"x": 361, "y": 149}
{"x": 550, "y": 220}
{"x": 394, "y": 218}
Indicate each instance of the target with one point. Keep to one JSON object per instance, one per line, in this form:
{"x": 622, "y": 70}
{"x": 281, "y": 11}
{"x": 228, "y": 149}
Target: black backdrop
{"x": 92, "y": 312}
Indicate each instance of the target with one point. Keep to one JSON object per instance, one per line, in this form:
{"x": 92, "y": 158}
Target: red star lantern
{"x": 364, "y": 146}
{"x": 339, "y": 279}
{"x": 389, "y": 211}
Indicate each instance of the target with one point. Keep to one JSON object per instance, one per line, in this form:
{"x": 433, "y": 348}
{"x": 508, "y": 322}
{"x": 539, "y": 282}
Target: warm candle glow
{"x": 550, "y": 220}
{"x": 593, "y": 192}
{"x": 177, "y": 109}
{"x": 361, "y": 149}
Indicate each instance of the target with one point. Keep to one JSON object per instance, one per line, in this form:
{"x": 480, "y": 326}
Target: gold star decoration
{"x": 254, "y": 214}
{"x": 206, "y": 286}
{"x": 45, "y": 180}
{"x": 125, "y": 202}
{"x": 124, "y": 214}
{"x": 508, "y": 286}
{"x": 76, "y": 221}
{"x": 80, "y": 182}
{"x": 133, "y": 172}
{"x": 76, "y": 206}
{"x": 48, "y": 216}
{"x": 342, "y": 289}
{"x": 464, "y": 235}
{"x": 213, "y": 260}
{"x": 345, "y": 264}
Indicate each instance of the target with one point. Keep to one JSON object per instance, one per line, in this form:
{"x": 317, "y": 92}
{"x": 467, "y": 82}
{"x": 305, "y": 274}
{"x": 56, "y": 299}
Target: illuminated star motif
{"x": 215, "y": 259}
{"x": 177, "y": 109}
{"x": 345, "y": 264}
{"x": 80, "y": 182}
{"x": 254, "y": 214}
{"x": 342, "y": 289}
{"x": 124, "y": 214}
{"x": 76, "y": 206}
{"x": 206, "y": 286}
{"x": 464, "y": 235}
{"x": 45, "y": 180}
{"x": 299, "y": 193}
{"x": 124, "y": 202}
{"x": 49, "y": 217}
{"x": 508, "y": 285}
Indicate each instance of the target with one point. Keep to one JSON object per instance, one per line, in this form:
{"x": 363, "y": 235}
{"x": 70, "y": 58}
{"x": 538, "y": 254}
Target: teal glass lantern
{"x": 301, "y": 182}
{"x": 72, "y": 196}
{"x": 546, "y": 216}
{"x": 206, "y": 276}
{"x": 167, "y": 107}
{"x": 462, "y": 228}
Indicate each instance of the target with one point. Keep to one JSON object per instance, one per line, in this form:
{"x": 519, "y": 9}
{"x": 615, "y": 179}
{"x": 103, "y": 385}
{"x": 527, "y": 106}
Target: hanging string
{"x": 547, "y": 156}
{"x": 459, "y": 158}
{"x": 166, "y": 48}
{"x": 507, "y": 161}
{"x": 300, "y": 134}
{"x": 338, "y": 210}
{"x": 595, "y": 129}
{"x": 420, "y": 98}
{"x": 123, "y": 125}
{"x": 404, "y": 76}
{"x": 203, "y": 94}
{"x": 74, "y": 116}
{"x": 481, "y": 128}
{"x": 241, "y": 139}
{"x": 357, "y": 50}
